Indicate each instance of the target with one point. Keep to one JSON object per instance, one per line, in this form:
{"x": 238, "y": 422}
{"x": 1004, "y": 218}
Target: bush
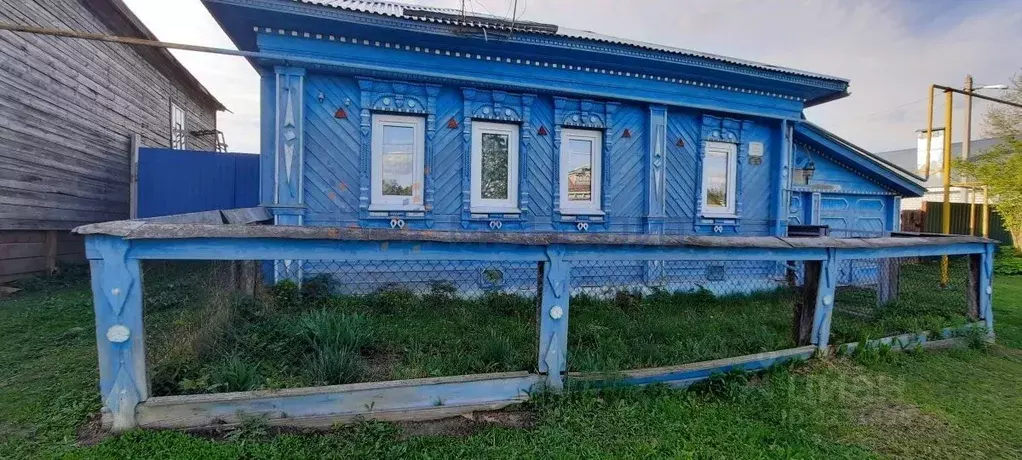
{"x": 498, "y": 353}
{"x": 336, "y": 365}
{"x": 441, "y": 291}
{"x": 235, "y": 374}
{"x": 391, "y": 299}
{"x": 1008, "y": 262}
{"x": 328, "y": 329}
{"x": 317, "y": 289}
{"x": 285, "y": 295}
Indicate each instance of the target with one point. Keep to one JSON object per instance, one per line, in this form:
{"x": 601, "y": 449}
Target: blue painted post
{"x": 986, "y": 279}
{"x": 288, "y": 196}
{"x": 553, "y": 318}
{"x": 117, "y": 299}
{"x": 825, "y": 296}
{"x": 656, "y": 193}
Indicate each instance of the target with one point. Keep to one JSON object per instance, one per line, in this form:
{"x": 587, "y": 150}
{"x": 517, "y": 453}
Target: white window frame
{"x": 175, "y": 114}
{"x": 379, "y": 201}
{"x": 595, "y": 204}
{"x": 478, "y": 203}
{"x": 732, "y": 184}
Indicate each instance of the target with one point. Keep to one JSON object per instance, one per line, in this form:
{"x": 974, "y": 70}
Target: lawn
{"x": 951, "y": 404}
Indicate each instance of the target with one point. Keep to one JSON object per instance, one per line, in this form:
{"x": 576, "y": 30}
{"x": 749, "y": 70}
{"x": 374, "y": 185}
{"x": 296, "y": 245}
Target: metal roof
{"x": 487, "y": 21}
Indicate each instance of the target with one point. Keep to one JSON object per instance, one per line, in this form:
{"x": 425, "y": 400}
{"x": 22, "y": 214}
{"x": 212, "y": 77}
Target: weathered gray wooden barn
{"x": 69, "y": 110}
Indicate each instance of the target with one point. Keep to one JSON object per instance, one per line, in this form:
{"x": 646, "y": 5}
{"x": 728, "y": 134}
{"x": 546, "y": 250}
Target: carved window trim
{"x": 584, "y": 114}
{"x": 730, "y": 131}
{"x": 395, "y": 98}
{"x": 494, "y": 106}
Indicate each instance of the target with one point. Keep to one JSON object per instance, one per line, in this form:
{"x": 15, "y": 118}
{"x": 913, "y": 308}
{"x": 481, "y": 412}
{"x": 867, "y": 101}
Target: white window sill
{"x": 493, "y": 210}
{"x": 397, "y": 207}
{"x": 718, "y": 216}
{"x": 582, "y": 212}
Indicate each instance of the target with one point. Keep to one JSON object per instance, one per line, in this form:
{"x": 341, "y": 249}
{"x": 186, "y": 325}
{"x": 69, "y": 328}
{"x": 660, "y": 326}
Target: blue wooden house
{"x": 385, "y": 115}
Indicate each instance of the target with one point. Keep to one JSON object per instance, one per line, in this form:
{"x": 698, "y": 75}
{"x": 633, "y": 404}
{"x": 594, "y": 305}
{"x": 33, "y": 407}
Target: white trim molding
{"x": 592, "y": 206}
{"x": 380, "y": 201}
{"x": 509, "y": 204}
{"x": 730, "y": 152}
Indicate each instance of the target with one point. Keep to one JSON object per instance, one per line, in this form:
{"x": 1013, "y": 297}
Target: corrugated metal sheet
{"x": 187, "y": 181}
{"x": 486, "y": 21}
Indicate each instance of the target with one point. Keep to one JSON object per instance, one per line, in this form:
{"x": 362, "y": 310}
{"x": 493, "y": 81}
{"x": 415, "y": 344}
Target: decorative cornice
{"x": 561, "y": 41}
{"x": 520, "y": 61}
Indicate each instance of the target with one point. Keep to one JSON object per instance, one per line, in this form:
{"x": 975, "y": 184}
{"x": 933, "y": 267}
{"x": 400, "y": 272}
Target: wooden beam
{"x": 688, "y": 374}
{"x": 805, "y": 303}
{"x": 50, "y": 252}
{"x": 416, "y": 399}
{"x": 974, "y": 290}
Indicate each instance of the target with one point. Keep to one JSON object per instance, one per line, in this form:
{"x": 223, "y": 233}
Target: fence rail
{"x": 561, "y": 265}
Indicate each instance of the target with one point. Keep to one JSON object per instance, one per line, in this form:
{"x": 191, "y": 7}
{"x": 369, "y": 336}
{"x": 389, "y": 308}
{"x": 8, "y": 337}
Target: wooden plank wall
{"x": 25, "y": 253}
{"x": 67, "y": 110}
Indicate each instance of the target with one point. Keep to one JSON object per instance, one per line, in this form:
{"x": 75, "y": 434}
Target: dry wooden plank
{"x": 50, "y": 251}
{"x": 23, "y": 180}
{"x": 21, "y": 250}
{"x": 393, "y": 400}
{"x": 21, "y": 236}
{"x": 9, "y": 211}
{"x": 40, "y": 224}
{"x": 31, "y": 198}
{"x": 22, "y": 265}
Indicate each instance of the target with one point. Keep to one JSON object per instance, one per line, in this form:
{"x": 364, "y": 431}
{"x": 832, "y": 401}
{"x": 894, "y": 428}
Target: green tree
{"x": 1000, "y": 168}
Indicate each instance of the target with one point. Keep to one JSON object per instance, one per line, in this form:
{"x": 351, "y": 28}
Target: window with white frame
{"x": 581, "y": 169}
{"x": 494, "y": 167}
{"x": 178, "y": 135}
{"x": 398, "y": 145}
{"x": 719, "y": 166}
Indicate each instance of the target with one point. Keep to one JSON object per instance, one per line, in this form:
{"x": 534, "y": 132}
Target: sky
{"x": 891, "y": 50}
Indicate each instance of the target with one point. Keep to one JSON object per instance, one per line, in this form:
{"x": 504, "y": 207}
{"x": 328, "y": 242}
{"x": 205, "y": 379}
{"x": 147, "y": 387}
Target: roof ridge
{"x": 398, "y": 10}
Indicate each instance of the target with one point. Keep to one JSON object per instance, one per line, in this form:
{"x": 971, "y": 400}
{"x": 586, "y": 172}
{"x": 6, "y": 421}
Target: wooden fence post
{"x": 805, "y": 302}
{"x": 553, "y": 318}
{"x": 136, "y": 142}
{"x": 825, "y": 294}
{"x": 117, "y": 299}
{"x": 974, "y": 290}
{"x": 888, "y": 280}
{"x": 50, "y": 254}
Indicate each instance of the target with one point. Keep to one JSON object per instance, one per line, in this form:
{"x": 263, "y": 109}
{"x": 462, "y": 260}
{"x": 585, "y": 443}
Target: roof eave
{"x": 900, "y": 179}
{"x": 190, "y": 79}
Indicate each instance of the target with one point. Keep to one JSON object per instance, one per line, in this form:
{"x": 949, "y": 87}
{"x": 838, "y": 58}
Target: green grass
{"x": 945, "y": 405}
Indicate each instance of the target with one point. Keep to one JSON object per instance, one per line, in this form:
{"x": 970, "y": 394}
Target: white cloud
{"x": 890, "y": 50}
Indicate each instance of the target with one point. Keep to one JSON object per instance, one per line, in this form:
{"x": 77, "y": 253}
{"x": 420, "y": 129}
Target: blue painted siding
{"x": 331, "y": 151}
{"x": 183, "y": 181}
{"x": 839, "y": 178}
{"x": 332, "y": 165}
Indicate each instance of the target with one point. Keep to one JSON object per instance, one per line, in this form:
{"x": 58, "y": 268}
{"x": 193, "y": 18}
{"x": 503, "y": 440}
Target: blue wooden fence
{"x": 116, "y": 250}
{"x": 183, "y": 181}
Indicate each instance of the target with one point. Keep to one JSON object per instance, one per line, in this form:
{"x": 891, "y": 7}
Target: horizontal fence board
{"x": 392, "y": 400}
{"x": 687, "y": 374}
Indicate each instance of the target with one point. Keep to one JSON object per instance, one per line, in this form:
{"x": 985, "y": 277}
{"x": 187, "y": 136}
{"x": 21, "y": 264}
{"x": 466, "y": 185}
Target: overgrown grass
{"x": 964, "y": 403}
{"x": 923, "y": 304}
{"x": 293, "y": 337}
